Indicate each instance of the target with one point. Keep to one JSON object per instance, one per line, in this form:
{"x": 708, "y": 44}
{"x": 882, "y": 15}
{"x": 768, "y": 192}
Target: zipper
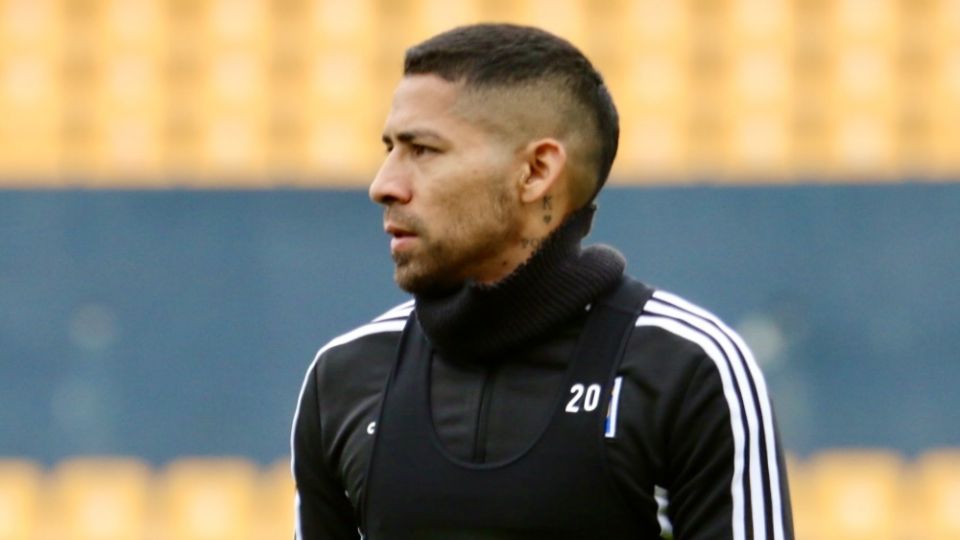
{"x": 483, "y": 416}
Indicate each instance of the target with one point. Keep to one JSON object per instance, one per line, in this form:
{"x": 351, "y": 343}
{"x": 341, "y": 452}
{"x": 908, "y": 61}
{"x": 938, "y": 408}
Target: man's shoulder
{"x": 676, "y": 342}
{"x": 670, "y": 328}
{"x": 398, "y": 312}
{"x": 373, "y": 339}
{"x": 391, "y": 322}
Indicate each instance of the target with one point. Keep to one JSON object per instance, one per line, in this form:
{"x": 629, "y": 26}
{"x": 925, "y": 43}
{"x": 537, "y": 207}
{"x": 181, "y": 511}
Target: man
{"x": 531, "y": 390}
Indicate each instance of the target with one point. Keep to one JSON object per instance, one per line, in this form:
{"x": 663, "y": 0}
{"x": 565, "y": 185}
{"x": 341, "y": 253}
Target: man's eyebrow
{"x": 408, "y": 136}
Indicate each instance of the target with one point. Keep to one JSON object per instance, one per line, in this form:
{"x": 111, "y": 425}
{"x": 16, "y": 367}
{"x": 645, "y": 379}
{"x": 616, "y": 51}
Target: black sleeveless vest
{"x": 558, "y": 488}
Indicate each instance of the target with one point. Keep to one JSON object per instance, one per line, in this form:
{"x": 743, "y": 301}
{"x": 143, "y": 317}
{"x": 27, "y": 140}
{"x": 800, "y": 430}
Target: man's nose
{"x": 391, "y": 184}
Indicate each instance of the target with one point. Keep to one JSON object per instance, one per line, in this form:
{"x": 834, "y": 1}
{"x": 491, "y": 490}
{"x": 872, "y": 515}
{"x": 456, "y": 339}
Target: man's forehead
{"x": 420, "y": 101}
{"x": 426, "y": 93}
{"x": 430, "y": 102}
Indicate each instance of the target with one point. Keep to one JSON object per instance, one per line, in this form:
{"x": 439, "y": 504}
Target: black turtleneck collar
{"x": 476, "y": 321}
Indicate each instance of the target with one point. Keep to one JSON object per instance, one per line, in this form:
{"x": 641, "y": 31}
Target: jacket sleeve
{"x": 323, "y": 511}
{"x": 725, "y": 466}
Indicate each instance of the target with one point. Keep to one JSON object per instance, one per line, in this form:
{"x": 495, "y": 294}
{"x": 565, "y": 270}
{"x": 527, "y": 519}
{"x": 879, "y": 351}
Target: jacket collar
{"x": 478, "y": 322}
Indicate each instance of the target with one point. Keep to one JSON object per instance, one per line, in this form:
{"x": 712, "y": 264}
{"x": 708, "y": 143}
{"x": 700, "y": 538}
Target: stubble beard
{"x": 443, "y": 265}
{"x": 421, "y": 273}
{"x": 440, "y": 267}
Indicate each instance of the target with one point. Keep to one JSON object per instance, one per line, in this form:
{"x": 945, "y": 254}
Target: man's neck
{"x": 477, "y": 321}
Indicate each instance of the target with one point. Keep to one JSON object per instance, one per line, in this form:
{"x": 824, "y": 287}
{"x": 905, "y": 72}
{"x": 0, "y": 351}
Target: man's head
{"x": 496, "y": 134}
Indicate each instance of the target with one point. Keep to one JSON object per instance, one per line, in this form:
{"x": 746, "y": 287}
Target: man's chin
{"x": 424, "y": 284}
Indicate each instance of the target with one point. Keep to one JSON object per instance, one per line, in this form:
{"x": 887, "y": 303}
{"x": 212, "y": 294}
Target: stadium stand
{"x": 30, "y": 90}
{"x": 802, "y": 499}
{"x": 836, "y": 494}
{"x": 100, "y": 499}
{"x": 209, "y": 499}
{"x": 658, "y": 90}
{"x": 258, "y": 93}
{"x": 858, "y": 494}
{"x": 235, "y": 89}
{"x": 275, "y": 501}
{"x": 252, "y": 93}
{"x": 20, "y": 492}
{"x": 937, "y": 495}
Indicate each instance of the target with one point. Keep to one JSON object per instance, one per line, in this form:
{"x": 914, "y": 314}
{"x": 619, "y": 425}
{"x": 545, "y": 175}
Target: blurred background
{"x": 184, "y": 221}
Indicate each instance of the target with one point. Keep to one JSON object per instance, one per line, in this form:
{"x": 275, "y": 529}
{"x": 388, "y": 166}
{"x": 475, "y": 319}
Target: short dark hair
{"x": 504, "y": 55}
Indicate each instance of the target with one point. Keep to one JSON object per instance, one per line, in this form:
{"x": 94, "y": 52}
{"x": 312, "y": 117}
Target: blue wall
{"x": 168, "y": 323}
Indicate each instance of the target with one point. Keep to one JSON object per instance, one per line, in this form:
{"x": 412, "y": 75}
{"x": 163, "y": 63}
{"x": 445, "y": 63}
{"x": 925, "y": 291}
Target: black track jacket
{"x": 691, "y": 438}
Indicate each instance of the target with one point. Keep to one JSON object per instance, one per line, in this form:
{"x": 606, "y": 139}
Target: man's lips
{"x": 401, "y": 237}
{"x": 396, "y": 230}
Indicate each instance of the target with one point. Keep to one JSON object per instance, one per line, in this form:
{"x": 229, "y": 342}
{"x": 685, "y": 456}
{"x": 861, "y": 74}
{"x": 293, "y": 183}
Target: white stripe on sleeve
{"x": 403, "y": 310}
{"x": 766, "y": 413}
{"x": 733, "y": 402}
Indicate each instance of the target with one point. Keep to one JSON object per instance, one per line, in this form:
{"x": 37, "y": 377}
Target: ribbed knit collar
{"x": 477, "y": 322}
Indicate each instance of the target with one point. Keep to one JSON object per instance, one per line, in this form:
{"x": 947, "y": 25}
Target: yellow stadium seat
{"x": 654, "y": 92}
{"x": 759, "y": 89}
{"x": 428, "y": 17}
{"x": 343, "y": 106}
{"x": 338, "y": 151}
{"x": 230, "y": 87}
{"x": 82, "y": 80}
{"x": 864, "y": 102}
{"x": 233, "y": 122}
{"x": 236, "y": 22}
{"x": 20, "y": 489}
{"x": 129, "y": 98}
{"x": 812, "y": 53}
{"x": 857, "y": 494}
{"x": 328, "y": 97}
{"x": 509, "y": 11}
{"x": 209, "y": 499}
{"x": 233, "y": 147}
{"x": 946, "y": 90}
{"x": 350, "y": 24}
{"x": 801, "y": 499}
{"x": 916, "y": 81}
{"x": 101, "y": 499}
{"x": 275, "y": 501}
{"x": 563, "y": 17}
{"x": 31, "y": 51}
{"x": 938, "y": 495}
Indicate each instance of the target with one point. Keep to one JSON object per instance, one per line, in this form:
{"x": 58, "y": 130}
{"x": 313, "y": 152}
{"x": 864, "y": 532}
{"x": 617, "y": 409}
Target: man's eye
{"x": 419, "y": 149}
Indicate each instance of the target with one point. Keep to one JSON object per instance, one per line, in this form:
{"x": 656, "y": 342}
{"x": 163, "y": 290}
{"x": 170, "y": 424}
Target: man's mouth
{"x": 397, "y": 231}
{"x": 401, "y": 237}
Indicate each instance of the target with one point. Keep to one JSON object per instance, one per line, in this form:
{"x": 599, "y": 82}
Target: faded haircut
{"x": 507, "y": 56}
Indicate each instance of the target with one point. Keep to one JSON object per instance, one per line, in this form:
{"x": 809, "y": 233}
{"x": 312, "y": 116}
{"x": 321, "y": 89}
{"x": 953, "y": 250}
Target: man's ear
{"x": 545, "y": 166}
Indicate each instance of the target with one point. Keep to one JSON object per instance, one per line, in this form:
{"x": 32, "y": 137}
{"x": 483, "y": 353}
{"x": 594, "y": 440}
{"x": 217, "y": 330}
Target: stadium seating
{"x": 857, "y": 494}
{"x": 275, "y": 501}
{"x": 846, "y": 494}
{"x": 209, "y": 499}
{"x": 20, "y": 491}
{"x": 108, "y": 498}
{"x": 937, "y": 495}
{"x": 101, "y": 499}
{"x": 254, "y": 93}
{"x": 802, "y": 500}
{"x": 31, "y": 91}
{"x": 653, "y": 88}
